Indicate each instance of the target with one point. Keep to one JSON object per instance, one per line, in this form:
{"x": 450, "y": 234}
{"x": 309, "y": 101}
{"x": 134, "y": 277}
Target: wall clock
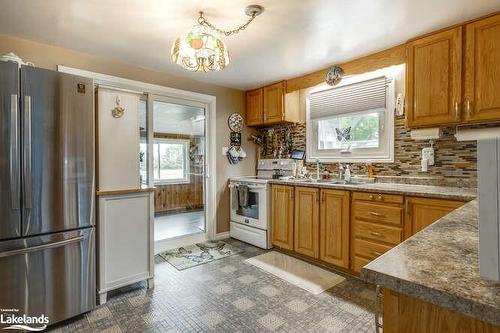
{"x": 334, "y": 75}
{"x": 235, "y": 122}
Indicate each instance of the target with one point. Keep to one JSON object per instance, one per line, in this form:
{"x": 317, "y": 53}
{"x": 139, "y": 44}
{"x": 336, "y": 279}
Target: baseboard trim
{"x": 222, "y": 235}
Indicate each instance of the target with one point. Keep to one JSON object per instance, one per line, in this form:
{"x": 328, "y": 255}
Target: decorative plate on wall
{"x": 334, "y": 75}
{"x": 235, "y": 122}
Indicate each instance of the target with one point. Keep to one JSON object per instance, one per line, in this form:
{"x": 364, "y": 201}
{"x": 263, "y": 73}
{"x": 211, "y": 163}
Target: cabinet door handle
{"x": 376, "y": 214}
{"x": 371, "y": 197}
{"x": 457, "y": 110}
{"x": 380, "y": 198}
{"x": 468, "y": 108}
{"x": 377, "y": 234}
{"x": 375, "y": 253}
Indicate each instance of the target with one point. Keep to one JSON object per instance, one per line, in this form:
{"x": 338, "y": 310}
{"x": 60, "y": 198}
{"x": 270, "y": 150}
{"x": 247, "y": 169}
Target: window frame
{"x": 187, "y": 177}
{"x": 383, "y": 154}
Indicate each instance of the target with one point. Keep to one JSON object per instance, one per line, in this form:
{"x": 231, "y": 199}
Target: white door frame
{"x": 209, "y": 103}
{"x": 209, "y": 233}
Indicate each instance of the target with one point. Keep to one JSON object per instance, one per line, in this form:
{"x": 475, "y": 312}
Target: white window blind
{"x": 353, "y": 122}
{"x": 356, "y": 97}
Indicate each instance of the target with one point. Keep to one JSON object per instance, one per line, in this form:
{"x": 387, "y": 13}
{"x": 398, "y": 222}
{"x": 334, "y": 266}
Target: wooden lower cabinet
{"x": 306, "y": 226}
{"x": 376, "y": 226}
{"x": 421, "y": 212}
{"x": 402, "y": 313}
{"x": 326, "y": 225}
{"x": 282, "y": 206}
{"x": 334, "y": 227}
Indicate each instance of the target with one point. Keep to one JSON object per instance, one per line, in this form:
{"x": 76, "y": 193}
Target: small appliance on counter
{"x": 250, "y": 201}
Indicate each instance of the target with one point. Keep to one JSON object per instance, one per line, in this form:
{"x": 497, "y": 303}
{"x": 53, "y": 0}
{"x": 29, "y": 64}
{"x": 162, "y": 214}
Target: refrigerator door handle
{"x": 14, "y": 153}
{"x": 27, "y": 152}
{"x": 41, "y": 247}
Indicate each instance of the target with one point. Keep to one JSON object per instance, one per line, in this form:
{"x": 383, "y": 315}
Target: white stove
{"x": 251, "y": 218}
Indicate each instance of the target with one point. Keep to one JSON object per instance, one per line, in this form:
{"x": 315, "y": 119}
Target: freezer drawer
{"x": 52, "y": 274}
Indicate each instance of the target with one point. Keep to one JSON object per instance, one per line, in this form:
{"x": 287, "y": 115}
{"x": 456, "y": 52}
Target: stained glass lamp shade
{"x": 200, "y": 50}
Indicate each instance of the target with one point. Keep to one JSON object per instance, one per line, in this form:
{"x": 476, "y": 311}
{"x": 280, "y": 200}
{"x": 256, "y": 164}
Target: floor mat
{"x": 198, "y": 254}
{"x": 297, "y": 272}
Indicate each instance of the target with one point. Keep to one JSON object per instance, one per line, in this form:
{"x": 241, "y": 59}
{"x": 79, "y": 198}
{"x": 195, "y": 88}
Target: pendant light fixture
{"x": 201, "y": 49}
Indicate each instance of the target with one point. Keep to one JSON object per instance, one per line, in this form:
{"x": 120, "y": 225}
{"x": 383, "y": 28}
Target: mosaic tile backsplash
{"x": 455, "y": 162}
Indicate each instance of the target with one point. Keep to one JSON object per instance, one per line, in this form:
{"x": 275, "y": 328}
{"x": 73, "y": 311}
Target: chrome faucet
{"x": 347, "y": 173}
{"x": 317, "y": 169}
{"x": 344, "y": 172}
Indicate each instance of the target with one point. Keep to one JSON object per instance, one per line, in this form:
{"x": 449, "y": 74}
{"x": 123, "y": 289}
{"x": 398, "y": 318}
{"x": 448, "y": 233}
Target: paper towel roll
{"x": 477, "y": 133}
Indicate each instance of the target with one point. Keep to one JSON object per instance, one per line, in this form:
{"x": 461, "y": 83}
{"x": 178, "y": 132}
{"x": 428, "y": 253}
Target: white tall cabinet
{"x": 125, "y": 212}
{"x": 488, "y": 160}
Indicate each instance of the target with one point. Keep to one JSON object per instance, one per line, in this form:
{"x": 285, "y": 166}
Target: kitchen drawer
{"x": 378, "y": 232}
{"x": 358, "y": 263}
{"x": 378, "y": 197}
{"x": 368, "y": 249}
{"x": 378, "y": 212}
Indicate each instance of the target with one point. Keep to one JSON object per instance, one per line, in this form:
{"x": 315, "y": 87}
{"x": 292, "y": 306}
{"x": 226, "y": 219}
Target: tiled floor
{"x": 176, "y": 225}
{"x": 229, "y": 295}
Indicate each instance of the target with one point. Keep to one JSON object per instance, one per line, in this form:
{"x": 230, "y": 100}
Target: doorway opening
{"x": 177, "y": 146}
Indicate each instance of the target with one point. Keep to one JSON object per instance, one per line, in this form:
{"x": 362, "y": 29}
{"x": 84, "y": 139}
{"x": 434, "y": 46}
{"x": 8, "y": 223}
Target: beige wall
{"x": 228, "y": 101}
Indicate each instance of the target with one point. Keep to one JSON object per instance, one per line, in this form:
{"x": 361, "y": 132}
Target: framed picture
{"x": 235, "y": 138}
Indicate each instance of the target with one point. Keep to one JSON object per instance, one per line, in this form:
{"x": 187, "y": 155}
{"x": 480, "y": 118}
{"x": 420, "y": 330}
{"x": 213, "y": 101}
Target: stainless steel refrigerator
{"x": 47, "y": 196}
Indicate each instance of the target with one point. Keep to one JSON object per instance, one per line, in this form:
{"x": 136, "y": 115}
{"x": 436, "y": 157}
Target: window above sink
{"x": 353, "y": 121}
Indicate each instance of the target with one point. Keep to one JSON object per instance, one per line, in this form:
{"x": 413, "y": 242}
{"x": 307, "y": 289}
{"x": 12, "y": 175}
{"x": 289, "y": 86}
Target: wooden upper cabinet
{"x": 334, "y": 227}
{"x": 306, "y": 233}
{"x": 255, "y": 115}
{"x": 421, "y": 212}
{"x": 274, "y": 99}
{"x": 282, "y": 216}
{"x": 272, "y": 105}
{"x": 434, "y": 69}
{"x": 482, "y": 70}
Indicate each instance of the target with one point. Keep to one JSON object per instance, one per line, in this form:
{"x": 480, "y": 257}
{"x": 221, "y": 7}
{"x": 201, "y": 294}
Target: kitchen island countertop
{"x": 440, "y": 265}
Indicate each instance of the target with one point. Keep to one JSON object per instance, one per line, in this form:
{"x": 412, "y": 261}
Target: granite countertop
{"x": 440, "y": 265}
{"x": 429, "y": 191}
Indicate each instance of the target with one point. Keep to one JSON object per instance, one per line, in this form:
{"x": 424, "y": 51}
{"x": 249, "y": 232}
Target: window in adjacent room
{"x": 171, "y": 161}
{"x": 352, "y": 123}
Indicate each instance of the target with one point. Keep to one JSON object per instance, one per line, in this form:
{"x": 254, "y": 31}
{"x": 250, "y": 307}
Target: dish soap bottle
{"x": 371, "y": 170}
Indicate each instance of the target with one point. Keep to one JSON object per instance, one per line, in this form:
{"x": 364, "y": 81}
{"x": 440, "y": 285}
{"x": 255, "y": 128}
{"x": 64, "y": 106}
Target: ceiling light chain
{"x": 203, "y": 21}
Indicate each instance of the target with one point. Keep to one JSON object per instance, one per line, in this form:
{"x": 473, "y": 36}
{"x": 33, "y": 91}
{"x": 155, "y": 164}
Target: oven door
{"x": 255, "y": 214}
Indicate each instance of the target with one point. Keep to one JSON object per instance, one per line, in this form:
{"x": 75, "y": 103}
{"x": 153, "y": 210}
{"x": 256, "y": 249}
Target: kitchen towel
{"x": 243, "y": 196}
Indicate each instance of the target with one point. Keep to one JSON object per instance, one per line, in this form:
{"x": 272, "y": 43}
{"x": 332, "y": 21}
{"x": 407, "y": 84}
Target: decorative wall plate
{"x": 334, "y": 75}
{"x": 235, "y": 122}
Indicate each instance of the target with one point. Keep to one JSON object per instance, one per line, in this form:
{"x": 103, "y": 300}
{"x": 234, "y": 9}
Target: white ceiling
{"x": 291, "y": 38}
